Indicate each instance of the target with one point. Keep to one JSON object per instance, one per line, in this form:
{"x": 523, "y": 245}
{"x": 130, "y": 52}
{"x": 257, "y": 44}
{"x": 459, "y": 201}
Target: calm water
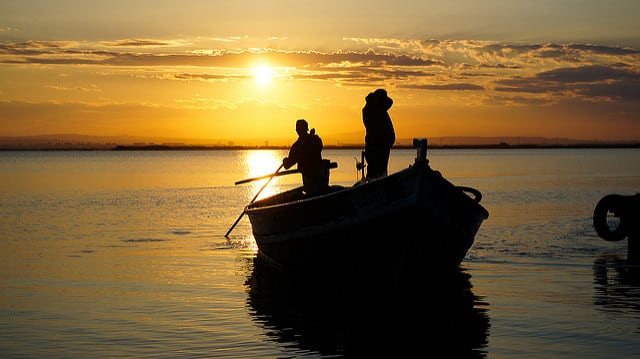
{"x": 123, "y": 254}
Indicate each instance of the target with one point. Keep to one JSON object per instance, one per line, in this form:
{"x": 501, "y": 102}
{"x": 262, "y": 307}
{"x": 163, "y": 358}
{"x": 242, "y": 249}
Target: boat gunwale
{"x": 256, "y": 207}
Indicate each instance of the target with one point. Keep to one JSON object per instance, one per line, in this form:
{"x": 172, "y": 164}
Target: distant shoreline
{"x": 328, "y": 147}
{"x": 355, "y": 147}
{"x": 79, "y": 142}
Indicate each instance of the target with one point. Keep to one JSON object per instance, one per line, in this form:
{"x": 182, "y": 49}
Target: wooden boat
{"x": 413, "y": 218}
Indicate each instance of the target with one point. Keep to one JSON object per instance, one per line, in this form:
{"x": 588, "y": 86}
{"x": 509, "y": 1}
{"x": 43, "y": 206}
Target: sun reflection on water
{"x": 259, "y": 163}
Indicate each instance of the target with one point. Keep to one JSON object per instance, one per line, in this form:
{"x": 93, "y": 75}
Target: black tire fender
{"x": 609, "y": 203}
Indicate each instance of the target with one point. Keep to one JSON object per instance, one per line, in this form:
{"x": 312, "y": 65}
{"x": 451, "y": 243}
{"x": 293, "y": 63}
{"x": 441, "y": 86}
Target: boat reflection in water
{"x": 374, "y": 316}
{"x": 616, "y": 283}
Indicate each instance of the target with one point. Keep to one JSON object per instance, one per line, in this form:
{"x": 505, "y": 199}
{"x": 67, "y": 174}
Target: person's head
{"x": 302, "y": 127}
{"x": 379, "y": 99}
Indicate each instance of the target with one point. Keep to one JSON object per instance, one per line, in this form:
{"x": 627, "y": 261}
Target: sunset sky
{"x": 246, "y": 70}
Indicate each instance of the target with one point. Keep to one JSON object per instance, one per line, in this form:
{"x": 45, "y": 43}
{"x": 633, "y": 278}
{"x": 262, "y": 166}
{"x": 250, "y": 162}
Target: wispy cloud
{"x": 8, "y": 29}
{"x": 184, "y": 76}
{"x": 446, "y": 87}
{"x": 92, "y": 88}
{"x": 138, "y": 43}
{"x": 594, "y": 82}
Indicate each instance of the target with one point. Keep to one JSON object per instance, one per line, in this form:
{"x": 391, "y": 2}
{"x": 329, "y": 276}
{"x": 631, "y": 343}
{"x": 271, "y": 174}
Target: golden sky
{"x": 246, "y": 70}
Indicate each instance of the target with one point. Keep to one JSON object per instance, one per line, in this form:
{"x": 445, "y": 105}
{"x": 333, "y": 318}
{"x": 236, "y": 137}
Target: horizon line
{"x": 184, "y": 147}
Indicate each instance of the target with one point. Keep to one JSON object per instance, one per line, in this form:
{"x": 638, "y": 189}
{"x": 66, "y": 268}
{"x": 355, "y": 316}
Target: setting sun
{"x": 263, "y": 74}
{"x": 238, "y": 73}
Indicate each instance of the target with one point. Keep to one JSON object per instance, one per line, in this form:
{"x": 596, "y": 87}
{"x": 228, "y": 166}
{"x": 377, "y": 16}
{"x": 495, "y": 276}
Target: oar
{"x": 276, "y": 174}
{"x": 267, "y": 176}
{"x": 253, "y": 200}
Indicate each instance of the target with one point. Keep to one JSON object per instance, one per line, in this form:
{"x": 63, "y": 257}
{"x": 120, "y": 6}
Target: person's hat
{"x": 380, "y": 97}
{"x": 382, "y": 93}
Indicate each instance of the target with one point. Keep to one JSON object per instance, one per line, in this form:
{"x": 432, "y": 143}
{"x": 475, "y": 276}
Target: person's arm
{"x": 392, "y": 132}
{"x": 292, "y": 159}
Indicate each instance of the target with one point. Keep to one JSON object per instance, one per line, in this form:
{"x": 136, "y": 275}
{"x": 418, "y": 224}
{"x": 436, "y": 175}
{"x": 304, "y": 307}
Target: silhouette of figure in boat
{"x": 380, "y": 135}
{"x": 306, "y": 151}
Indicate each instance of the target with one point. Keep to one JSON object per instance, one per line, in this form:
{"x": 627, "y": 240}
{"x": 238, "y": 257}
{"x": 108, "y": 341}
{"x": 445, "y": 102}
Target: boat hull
{"x": 412, "y": 218}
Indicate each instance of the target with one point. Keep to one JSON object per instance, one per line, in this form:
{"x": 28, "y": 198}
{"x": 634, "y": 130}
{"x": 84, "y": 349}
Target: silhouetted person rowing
{"x": 307, "y": 153}
{"x": 380, "y": 135}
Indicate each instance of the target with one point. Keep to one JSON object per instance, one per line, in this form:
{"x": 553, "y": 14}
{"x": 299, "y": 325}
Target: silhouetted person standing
{"x": 307, "y": 153}
{"x": 380, "y": 135}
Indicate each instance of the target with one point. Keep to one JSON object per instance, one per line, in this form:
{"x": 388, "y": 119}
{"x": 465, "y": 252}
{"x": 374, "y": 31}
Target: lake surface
{"x": 106, "y": 254}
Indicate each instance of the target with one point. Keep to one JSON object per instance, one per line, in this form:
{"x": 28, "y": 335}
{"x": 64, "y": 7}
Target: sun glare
{"x": 260, "y": 163}
{"x": 263, "y": 74}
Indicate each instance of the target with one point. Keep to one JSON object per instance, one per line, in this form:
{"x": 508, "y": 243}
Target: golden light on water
{"x": 261, "y": 163}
